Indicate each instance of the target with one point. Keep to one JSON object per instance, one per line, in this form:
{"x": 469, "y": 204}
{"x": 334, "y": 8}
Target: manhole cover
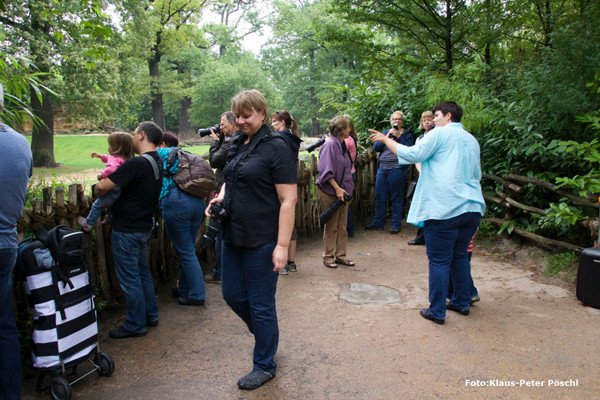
{"x": 362, "y": 293}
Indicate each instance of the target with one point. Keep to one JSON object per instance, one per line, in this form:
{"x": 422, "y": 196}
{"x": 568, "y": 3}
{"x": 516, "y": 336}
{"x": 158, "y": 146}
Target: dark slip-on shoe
{"x": 255, "y": 379}
{"x": 425, "y": 314}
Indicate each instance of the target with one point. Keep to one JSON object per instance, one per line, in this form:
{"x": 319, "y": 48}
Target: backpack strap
{"x": 152, "y": 162}
{"x": 173, "y": 155}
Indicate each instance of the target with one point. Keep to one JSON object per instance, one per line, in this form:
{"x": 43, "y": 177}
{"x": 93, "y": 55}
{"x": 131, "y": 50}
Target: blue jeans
{"x": 10, "y": 357}
{"x": 249, "y": 286}
{"x": 130, "y": 254}
{"x": 474, "y": 291}
{"x": 389, "y": 182}
{"x": 447, "y": 241}
{"x": 183, "y": 214}
{"x": 102, "y": 201}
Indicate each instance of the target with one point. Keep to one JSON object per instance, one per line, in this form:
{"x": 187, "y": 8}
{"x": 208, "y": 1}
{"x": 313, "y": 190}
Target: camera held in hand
{"x": 316, "y": 144}
{"x": 326, "y": 215}
{"x": 206, "y": 131}
{"x": 218, "y": 215}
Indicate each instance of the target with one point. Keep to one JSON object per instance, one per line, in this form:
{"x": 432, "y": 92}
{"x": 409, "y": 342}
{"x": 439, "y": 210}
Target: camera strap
{"x": 258, "y": 137}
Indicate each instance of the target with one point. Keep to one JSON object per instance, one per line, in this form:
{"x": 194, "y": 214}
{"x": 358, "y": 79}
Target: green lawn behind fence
{"x": 73, "y": 152}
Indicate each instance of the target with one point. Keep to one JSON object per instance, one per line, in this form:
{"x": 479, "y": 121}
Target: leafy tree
{"x": 309, "y": 72}
{"x": 17, "y": 80}
{"x": 222, "y": 79}
{"x": 151, "y": 25}
{"x": 423, "y": 31}
{"x": 44, "y": 30}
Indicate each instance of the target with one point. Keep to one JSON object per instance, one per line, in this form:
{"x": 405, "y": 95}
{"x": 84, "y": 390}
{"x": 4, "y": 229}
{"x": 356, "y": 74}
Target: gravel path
{"x": 521, "y": 340}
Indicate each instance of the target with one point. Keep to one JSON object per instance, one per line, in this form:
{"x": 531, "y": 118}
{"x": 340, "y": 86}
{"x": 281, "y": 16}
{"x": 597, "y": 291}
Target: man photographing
{"x": 221, "y": 142}
{"x": 217, "y": 159}
{"x": 448, "y": 202}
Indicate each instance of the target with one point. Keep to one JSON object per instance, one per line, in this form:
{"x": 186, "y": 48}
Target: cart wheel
{"x": 60, "y": 388}
{"x": 106, "y": 366}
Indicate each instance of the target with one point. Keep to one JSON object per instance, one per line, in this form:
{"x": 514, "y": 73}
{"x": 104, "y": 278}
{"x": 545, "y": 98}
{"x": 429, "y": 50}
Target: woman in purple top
{"x": 335, "y": 181}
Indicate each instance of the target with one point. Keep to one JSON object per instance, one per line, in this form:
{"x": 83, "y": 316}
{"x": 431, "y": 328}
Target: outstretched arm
{"x": 377, "y": 136}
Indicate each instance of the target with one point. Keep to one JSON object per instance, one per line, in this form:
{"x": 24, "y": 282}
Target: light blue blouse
{"x": 449, "y": 184}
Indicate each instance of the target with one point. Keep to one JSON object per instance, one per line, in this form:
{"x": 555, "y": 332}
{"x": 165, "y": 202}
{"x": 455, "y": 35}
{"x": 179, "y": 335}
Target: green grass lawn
{"x": 73, "y": 152}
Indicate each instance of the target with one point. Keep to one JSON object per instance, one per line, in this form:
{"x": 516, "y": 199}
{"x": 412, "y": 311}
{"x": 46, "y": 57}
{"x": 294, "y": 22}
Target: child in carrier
{"x": 120, "y": 149}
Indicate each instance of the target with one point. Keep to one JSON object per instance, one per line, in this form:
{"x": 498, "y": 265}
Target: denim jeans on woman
{"x": 130, "y": 254}
{"x": 183, "y": 214}
{"x": 447, "y": 241}
{"x": 10, "y": 356}
{"x": 249, "y": 286}
{"x": 389, "y": 182}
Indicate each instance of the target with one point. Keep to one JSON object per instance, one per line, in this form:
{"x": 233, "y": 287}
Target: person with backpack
{"x": 16, "y": 165}
{"x": 182, "y": 215}
{"x": 259, "y": 194}
{"x": 140, "y": 181}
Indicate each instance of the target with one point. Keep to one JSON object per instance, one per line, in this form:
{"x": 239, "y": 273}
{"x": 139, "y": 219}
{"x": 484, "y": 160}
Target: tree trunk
{"x": 316, "y": 127}
{"x": 185, "y": 127}
{"x": 448, "y": 38}
{"x": 158, "y": 112}
{"x": 42, "y": 138}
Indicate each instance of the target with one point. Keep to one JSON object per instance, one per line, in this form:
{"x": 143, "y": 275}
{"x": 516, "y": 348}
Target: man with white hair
{"x": 15, "y": 170}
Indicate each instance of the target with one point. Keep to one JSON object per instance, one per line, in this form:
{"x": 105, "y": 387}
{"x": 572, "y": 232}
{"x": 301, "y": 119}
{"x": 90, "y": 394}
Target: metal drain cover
{"x": 362, "y": 293}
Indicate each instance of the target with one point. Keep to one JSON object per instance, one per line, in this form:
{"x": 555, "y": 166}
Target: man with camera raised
{"x": 221, "y": 142}
{"x": 217, "y": 159}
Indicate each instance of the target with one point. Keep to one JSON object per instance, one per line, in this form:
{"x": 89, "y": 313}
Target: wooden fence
{"x": 512, "y": 189}
{"x": 63, "y": 208}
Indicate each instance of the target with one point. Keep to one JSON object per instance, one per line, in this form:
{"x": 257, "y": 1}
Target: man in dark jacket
{"x": 217, "y": 159}
{"x": 221, "y": 143}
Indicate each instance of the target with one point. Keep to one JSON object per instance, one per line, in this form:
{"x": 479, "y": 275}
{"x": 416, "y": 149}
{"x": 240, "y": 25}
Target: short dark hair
{"x": 230, "y": 116}
{"x": 152, "y": 131}
{"x": 170, "y": 139}
{"x": 449, "y": 107}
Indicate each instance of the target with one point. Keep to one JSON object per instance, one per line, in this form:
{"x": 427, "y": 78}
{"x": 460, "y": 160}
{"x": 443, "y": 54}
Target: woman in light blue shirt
{"x": 448, "y": 202}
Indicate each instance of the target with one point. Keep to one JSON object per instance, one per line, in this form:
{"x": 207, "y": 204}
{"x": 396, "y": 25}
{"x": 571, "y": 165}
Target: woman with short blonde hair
{"x": 259, "y": 195}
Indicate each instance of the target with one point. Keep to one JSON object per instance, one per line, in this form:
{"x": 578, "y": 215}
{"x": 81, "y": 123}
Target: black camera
{"x": 326, "y": 215}
{"x": 206, "y": 131}
{"x": 316, "y": 144}
{"x": 218, "y": 215}
{"x": 395, "y": 125}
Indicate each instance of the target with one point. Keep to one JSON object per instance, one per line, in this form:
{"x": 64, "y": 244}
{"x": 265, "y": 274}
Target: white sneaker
{"x": 283, "y": 271}
{"x": 83, "y": 223}
{"x": 291, "y": 267}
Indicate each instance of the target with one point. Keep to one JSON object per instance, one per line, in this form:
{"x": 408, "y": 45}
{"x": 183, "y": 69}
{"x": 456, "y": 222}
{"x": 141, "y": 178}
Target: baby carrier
{"x": 61, "y": 299}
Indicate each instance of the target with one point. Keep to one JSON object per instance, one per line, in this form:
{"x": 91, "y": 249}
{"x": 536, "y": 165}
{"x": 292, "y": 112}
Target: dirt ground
{"x": 522, "y": 339}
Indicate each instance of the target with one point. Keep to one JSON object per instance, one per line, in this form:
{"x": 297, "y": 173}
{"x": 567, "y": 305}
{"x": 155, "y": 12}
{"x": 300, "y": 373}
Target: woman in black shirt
{"x": 283, "y": 124}
{"x": 259, "y": 192}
